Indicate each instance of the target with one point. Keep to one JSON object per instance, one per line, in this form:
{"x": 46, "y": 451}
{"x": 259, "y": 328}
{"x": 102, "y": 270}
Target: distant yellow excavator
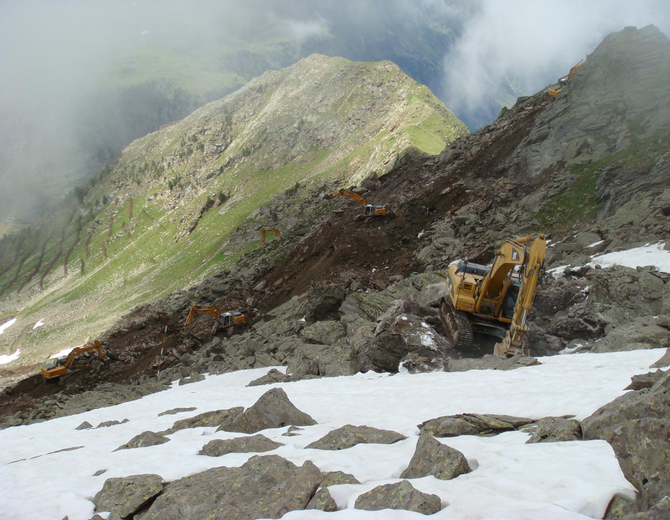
{"x": 495, "y": 300}
{"x": 55, "y": 369}
{"x": 268, "y": 229}
{"x": 223, "y": 320}
{"x": 369, "y": 210}
{"x": 555, "y": 92}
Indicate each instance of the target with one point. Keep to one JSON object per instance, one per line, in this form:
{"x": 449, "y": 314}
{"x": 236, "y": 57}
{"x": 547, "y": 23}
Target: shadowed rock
{"x": 256, "y": 443}
{"x": 143, "y": 440}
{"x": 401, "y": 495}
{"x": 124, "y": 496}
{"x": 636, "y": 425}
{"x": 264, "y": 487}
{"x": 323, "y": 501}
{"x": 431, "y": 457}
{"x": 206, "y": 419}
{"x": 472, "y": 424}
{"x": 349, "y": 436}
{"x": 272, "y": 410}
{"x": 647, "y": 380}
{"x": 554, "y": 429}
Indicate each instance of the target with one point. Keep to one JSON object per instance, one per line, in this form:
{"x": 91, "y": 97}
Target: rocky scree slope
{"x": 164, "y": 215}
{"x": 340, "y": 298}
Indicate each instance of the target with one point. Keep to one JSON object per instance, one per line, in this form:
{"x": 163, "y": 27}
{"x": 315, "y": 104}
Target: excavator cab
{"x": 228, "y": 319}
{"x": 371, "y": 210}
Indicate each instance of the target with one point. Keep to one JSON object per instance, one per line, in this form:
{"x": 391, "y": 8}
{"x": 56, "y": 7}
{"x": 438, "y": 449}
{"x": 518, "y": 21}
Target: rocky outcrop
{"x": 472, "y": 424}
{"x": 206, "y": 420}
{"x": 431, "y": 457}
{"x": 399, "y": 496}
{"x": 636, "y": 425}
{"x": 144, "y": 440}
{"x": 273, "y": 376}
{"x": 256, "y": 443}
{"x": 264, "y": 487}
{"x": 348, "y": 436}
{"x": 554, "y": 429}
{"x": 272, "y": 410}
{"x": 127, "y": 495}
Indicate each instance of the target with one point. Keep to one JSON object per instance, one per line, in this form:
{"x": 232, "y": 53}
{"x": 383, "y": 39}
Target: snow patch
{"x": 552, "y": 481}
{"x": 6, "y": 325}
{"x": 62, "y": 353}
{"x": 4, "y": 359}
{"x": 653, "y": 255}
{"x": 557, "y": 272}
{"x": 570, "y": 350}
{"x": 38, "y": 324}
{"x": 595, "y": 243}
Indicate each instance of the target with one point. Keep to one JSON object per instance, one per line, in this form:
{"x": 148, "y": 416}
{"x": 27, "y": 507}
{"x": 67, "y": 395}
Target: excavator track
{"x": 456, "y": 325}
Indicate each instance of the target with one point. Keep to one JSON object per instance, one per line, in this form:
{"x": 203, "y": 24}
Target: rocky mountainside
{"x": 337, "y": 295}
{"x": 187, "y": 201}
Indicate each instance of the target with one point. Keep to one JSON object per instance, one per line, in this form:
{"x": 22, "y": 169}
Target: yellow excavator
{"x": 223, "y": 319}
{"x": 368, "y": 210}
{"x": 495, "y": 300}
{"x": 56, "y": 369}
{"x": 555, "y": 92}
{"x": 267, "y": 229}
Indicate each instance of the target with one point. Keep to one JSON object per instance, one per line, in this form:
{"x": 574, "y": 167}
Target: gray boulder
{"x": 144, "y": 440}
{"x": 636, "y": 425}
{"x": 272, "y": 410}
{"x": 641, "y": 333}
{"x": 647, "y": 380}
{"x": 264, "y": 487}
{"x": 320, "y": 360}
{"x": 84, "y": 426}
{"x": 322, "y": 501}
{"x": 337, "y": 478}
{"x": 431, "y": 457}
{"x": 348, "y": 436}
{"x": 107, "y": 424}
{"x": 554, "y": 429}
{"x": 325, "y": 332}
{"x": 401, "y": 495}
{"x": 124, "y": 496}
{"x": 472, "y": 424}
{"x": 663, "y": 362}
{"x": 256, "y": 443}
{"x": 273, "y": 376}
{"x": 490, "y": 362}
{"x": 206, "y": 419}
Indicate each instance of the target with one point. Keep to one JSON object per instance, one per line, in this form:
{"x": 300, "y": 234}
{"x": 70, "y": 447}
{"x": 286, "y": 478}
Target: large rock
{"x": 273, "y": 376}
{"x": 401, "y": 495}
{"x": 431, "y": 457}
{"x": 472, "y": 424}
{"x": 320, "y": 360}
{"x": 663, "y": 362}
{"x": 348, "y": 436}
{"x": 322, "y": 501}
{"x": 206, "y": 419}
{"x": 337, "y": 478}
{"x": 264, "y": 487}
{"x": 272, "y": 410}
{"x": 554, "y": 429}
{"x": 637, "y": 425}
{"x": 124, "y": 496}
{"x": 490, "y": 362}
{"x": 256, "y": 443}
{"x": 640, "y": 333}
{"x": 325, "y": 332}
{"x": 144, "y": 440}
{"x": 401, "y": 340}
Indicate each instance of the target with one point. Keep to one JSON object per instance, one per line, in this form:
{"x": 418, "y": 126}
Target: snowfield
{"x": 511, "y": 479}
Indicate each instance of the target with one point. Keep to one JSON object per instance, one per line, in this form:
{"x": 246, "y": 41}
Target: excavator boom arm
{"x": 349, "y": 194}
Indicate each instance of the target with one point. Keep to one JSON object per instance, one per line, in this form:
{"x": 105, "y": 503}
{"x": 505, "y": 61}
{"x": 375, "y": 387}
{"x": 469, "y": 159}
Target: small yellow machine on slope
{"x": 555, "y": 92}
{"x": 223, "y": 320}
{"x": 494, "y": 301}
{"x": 267, "y": 229}
{"x": 55, "y": 369}
{"x": 369, "y": 210}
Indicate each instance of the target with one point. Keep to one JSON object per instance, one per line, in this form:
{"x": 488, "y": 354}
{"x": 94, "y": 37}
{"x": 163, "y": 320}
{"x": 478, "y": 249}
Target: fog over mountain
{"x": 80, "y": 80}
